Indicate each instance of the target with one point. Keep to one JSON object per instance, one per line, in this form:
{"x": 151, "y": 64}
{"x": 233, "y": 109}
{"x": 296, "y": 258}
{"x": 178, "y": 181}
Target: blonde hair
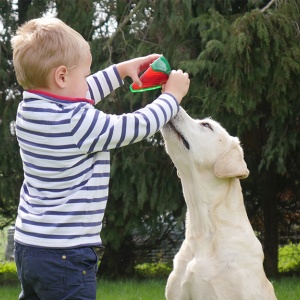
{"x": 43, "y": 44}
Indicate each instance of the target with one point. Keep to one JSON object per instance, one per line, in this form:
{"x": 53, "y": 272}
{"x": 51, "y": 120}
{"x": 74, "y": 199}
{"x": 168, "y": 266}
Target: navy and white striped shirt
{"x": 64, "y": 145}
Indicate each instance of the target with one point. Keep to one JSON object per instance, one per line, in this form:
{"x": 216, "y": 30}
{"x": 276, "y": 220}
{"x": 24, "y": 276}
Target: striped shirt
{"x": 64, "y": 146}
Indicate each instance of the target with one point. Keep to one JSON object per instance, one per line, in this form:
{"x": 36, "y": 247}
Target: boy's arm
{"x": 103, "y": 83}
{"x": 94, "y": 131}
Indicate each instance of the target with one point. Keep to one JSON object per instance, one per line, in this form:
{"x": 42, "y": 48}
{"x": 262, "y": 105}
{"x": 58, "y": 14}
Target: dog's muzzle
{"x": 184, "y": 141}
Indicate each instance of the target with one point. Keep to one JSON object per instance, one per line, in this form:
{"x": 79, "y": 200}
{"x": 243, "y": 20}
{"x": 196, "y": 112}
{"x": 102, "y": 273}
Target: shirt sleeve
{"x": 93, "y": 130}
{"x": 103, "y": 83}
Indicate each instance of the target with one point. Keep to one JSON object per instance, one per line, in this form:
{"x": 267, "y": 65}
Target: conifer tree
{"x": 10, "y": 164}
{"x": 243, "y": 57}
{"x": 248, "y": 73}
{"x": 243, "y": 60}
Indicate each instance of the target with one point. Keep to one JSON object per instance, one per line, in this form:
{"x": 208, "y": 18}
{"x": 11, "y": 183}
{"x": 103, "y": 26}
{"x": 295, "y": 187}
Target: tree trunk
{"x": 23, "y": 6}
{"x": 270, "y": 190}
{"x": 117, "y": 263}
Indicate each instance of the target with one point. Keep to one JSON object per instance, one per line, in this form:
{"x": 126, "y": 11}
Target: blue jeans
{"x": 56, "y": 274}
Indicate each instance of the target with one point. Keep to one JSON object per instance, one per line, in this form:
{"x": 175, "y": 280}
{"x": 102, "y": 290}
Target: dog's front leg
{"x": 174, "y": 290}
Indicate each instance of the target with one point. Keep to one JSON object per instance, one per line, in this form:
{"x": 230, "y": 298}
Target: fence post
{"x": 9, "y": 252}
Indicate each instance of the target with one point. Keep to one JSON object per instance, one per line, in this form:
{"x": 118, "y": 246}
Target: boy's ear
{"x": 60, "y": 76}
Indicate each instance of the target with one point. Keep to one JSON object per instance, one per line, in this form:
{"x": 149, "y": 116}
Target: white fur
{"x": 220, "y": 258}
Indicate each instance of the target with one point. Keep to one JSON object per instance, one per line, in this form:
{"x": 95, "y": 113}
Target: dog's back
{"x": 220, "y": 258}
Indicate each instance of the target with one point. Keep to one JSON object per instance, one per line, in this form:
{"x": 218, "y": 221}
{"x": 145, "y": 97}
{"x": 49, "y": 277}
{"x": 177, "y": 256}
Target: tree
{"x": 249, "y": 67}
{"x": 243, "y": 60}
{"x": 134, "y": 191}
{"x": 10, "y": 164}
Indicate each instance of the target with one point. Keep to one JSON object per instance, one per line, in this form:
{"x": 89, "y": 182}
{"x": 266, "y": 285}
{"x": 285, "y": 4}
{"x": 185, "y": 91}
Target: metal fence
{"x": 168, "y": 248}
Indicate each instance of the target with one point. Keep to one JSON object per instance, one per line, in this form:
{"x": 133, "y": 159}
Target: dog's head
{"x": 204, "y": 144}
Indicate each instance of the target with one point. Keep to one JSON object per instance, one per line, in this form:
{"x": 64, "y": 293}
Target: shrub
{"x": 289, "y": 258}
{"x": 8, "y": 273}
{"x": 153, "y": 270}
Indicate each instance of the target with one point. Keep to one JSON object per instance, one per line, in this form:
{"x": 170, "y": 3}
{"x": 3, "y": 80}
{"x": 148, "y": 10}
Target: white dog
{"x": 220, "y": 258}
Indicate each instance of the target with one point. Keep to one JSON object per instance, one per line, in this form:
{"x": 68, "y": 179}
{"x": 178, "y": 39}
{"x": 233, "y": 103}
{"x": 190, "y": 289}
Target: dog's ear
{"x": 231, "y": 164}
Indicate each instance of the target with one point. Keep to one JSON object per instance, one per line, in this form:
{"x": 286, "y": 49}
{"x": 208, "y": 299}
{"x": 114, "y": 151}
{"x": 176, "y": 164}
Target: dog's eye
{"x": 204, "y": 124}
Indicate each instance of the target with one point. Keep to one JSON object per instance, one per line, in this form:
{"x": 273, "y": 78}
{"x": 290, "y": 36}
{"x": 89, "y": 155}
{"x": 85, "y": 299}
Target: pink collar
{"x": 60, "y": 98}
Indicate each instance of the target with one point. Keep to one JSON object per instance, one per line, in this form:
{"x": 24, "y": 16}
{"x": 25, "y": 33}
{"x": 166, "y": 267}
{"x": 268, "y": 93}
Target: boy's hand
{"x": 134, "y": 67}
{"x": 177, "y": 84}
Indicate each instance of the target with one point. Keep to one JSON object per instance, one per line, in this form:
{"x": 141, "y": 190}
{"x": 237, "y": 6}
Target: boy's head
{"x": 41, "y": 45}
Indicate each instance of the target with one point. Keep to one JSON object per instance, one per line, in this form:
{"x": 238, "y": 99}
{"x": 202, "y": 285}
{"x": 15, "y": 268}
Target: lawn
{"x": 111, "y": 290}
{"x": 287, "y": 288}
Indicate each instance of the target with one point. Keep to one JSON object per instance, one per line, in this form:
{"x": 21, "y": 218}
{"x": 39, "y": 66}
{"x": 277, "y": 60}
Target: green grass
{"x": 110, "y": 290}
{"x": 286, "y": 288}
{"x": 131, "y": 290}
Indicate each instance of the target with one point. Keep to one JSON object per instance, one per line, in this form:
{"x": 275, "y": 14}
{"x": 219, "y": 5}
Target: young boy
{"x": 64, "y": 145}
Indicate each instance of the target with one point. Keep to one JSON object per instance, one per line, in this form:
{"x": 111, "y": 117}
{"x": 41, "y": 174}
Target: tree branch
{"x": 122, "y": 24}
{"x": 268, "y": 5}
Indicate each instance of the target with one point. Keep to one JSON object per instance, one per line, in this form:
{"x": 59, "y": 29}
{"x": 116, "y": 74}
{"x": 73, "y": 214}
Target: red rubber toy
{"x": 154, "y": 77}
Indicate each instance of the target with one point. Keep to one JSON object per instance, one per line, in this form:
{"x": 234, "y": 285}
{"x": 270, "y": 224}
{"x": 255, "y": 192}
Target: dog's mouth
{"x": 184, "y": 141}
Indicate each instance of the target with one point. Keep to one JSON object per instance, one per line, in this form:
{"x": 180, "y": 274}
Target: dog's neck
{"x": 211, "y": 201}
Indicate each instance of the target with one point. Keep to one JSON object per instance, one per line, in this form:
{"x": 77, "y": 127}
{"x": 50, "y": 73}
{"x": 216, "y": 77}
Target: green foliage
{"x": 153, "y": 270}
{"x": 289, "y": 258}
{"x": 10, "y": 163}
{"x": 244, "y": 75}
{"x": 8, "y": 273}
{"x": 244, "y": 69}
{"x": 79, "y": 14}
{"x": 248, "y": 67}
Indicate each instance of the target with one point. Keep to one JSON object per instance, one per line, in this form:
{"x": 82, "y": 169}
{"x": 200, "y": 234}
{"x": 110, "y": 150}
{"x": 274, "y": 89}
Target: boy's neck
{"x": 50, "y": 95}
